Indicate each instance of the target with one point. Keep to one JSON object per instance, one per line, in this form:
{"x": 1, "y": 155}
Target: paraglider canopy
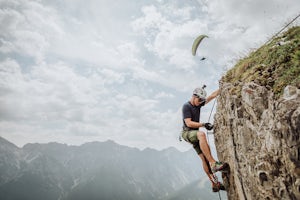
{"x": 196, "y": 43}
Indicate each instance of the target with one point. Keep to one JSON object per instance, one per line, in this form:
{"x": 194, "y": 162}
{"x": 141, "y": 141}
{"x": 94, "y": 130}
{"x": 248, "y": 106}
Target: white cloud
{"x": 251, "y": 22}
{"x": 163, "y": 95}
{"x": 27, "y": 28}
{"x": 118, "y": 71}
{"x": 167, "y": 39}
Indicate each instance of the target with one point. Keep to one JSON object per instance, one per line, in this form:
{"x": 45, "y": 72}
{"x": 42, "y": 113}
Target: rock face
{"x": 259, "y": 137}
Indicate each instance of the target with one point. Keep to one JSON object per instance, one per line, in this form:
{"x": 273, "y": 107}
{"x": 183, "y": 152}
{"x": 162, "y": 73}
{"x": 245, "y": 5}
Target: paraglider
{"x": 196, "y": 43}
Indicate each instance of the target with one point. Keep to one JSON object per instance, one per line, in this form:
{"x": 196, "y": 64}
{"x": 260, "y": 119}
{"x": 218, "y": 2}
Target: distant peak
{"x": 4, "y": 142}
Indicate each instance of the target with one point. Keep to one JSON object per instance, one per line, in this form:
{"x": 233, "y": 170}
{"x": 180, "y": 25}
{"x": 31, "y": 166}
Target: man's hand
{"x": 208, "y": 126}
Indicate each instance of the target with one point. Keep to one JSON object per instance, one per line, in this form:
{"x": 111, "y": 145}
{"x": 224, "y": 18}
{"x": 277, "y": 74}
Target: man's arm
{"x": 192, "y": 124}
{"x": 212, "y": 96}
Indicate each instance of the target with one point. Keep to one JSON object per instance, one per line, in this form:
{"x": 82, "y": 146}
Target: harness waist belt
{"x": 188, "y": 128}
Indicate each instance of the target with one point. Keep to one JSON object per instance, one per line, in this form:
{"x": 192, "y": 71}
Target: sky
{"x": 75, "y": 71}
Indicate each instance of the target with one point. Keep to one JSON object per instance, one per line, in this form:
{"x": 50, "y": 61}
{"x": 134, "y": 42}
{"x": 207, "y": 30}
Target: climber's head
{"x": 200, "y": 94}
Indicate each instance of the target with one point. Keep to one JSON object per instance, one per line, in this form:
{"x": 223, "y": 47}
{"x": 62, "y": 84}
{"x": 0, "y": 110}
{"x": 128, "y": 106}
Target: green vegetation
{"x": 274, "y": 65}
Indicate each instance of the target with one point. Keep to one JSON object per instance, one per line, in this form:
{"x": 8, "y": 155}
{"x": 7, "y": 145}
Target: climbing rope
{"x": 208, "y": 137}
{"x": 283, "y": 28}
{"x": 212, "y": 109}
{"x": 210, "y": 116}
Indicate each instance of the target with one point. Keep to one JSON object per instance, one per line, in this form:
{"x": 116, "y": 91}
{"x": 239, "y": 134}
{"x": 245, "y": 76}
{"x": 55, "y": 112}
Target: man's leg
{"x": 207, "y": 169}
{"x": 205, "y": 166}
{"x": 204, "y": 147}
{"x": 215, "y": 166}
{"x": 216, "y": 185}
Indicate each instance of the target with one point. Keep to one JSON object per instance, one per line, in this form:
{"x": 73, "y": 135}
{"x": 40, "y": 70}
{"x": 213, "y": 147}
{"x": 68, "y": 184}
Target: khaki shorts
{"x": 191, "y": 137}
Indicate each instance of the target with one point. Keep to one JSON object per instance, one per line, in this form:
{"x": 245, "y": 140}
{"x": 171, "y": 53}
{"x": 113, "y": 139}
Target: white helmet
{"x": 200, "y": 92}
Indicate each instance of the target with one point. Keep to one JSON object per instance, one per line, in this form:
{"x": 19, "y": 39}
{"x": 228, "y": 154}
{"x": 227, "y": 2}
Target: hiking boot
{"x": 217, "y": 166}
{"x": 216, "y": 187}
{"x": 222, "y": 187}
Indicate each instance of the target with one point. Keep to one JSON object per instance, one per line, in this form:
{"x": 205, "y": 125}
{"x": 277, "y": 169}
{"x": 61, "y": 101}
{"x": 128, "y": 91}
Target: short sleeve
{"x": 186, "y": 112}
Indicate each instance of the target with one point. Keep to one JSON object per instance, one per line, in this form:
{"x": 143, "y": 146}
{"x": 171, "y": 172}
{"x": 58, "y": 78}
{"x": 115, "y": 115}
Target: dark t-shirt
{"x": 190, "y": 111}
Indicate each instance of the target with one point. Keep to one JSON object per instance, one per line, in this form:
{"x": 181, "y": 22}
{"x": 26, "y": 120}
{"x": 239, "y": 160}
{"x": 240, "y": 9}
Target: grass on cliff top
{"x": 274, "y": 65}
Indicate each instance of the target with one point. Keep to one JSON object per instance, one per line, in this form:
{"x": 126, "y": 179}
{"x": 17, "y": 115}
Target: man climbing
{"x": 192, "y": 134}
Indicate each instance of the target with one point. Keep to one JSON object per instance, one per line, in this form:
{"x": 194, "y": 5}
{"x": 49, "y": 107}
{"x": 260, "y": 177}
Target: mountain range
{"x": 99, "y": 170}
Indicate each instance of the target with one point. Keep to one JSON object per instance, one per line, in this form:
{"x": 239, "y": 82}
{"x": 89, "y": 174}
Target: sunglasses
{"x": 200, "y": 99}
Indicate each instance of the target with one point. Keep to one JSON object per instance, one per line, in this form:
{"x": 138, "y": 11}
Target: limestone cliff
{"x": 257, "y": 124}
